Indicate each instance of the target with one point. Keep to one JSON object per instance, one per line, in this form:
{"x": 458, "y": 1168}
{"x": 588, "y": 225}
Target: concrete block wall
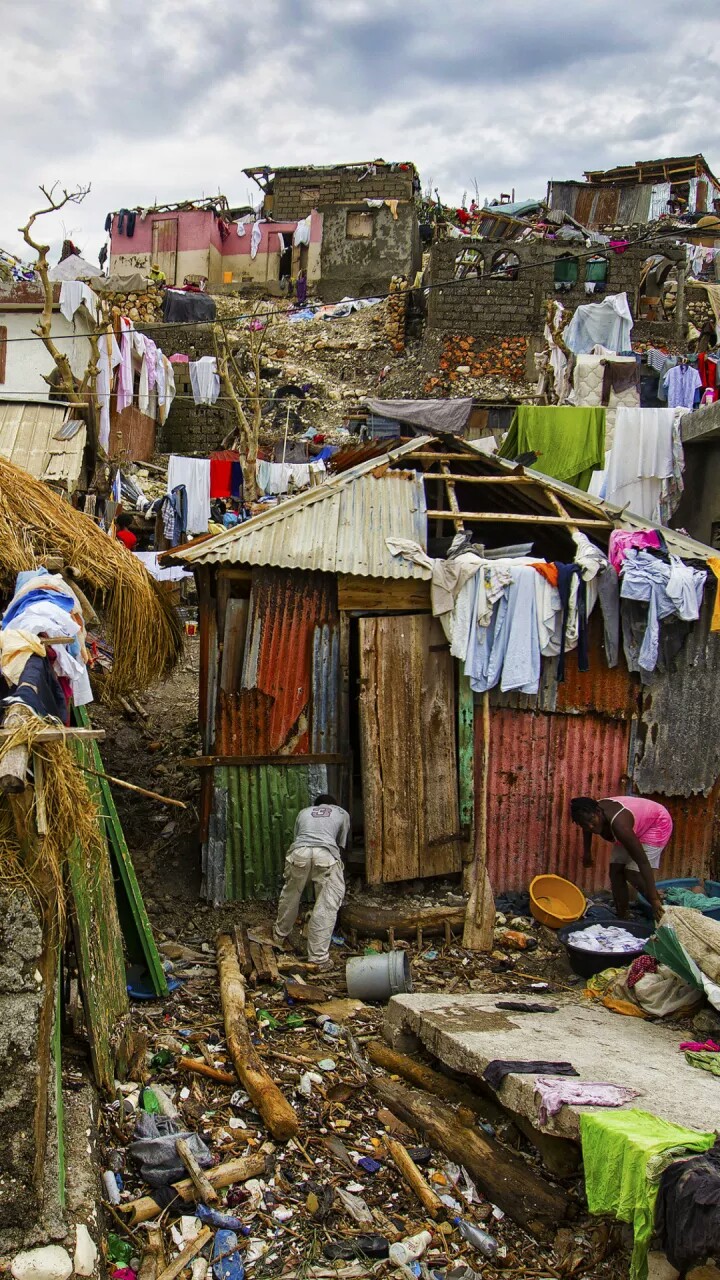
{"x": 190, "y": 428}
{"x": 297, "y": 191}
{"x": 365, "y": 267}
{"x": 492, "y": 308}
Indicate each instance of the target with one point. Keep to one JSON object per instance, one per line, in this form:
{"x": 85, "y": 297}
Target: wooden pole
{"x": 265, "y": 1095}
{"x": 130, "y": 786}
{"x": 204, "y": 1188}
{"x": 187, "y": 1255}
{"x": 480, "y": 914}
{"x": 431, "y": 1203}
{"x": 202, "y": 1069}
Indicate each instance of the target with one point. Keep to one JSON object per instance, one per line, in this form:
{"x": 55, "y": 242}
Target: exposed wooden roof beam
{"x": 452, "y": 497}
{"x": 492, "y": 517}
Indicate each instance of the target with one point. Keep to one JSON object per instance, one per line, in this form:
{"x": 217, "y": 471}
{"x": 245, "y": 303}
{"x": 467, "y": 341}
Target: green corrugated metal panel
{"x": 466, "y": 753}
{"x": 262, "y": 804}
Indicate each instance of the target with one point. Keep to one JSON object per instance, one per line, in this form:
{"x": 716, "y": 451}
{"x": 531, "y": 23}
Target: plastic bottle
{"x": 405, "y": 1251}
{"x": 226, "y": 1261}
{"x": 213, "y": 1218}
{"x": 475, "y": 1236}
{"x": 111, "y": 1187}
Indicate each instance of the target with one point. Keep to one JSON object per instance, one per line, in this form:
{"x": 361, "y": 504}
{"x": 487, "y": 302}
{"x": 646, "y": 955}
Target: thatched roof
{"x": 35, "y": 522}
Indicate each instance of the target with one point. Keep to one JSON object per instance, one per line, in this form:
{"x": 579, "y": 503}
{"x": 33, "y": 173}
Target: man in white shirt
{"x": 322, "y": 831}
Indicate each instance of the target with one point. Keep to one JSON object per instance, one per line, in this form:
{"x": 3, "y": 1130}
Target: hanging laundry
{"x": 681, "y": 383}
{"x": 569, "y": 441}
{"x": 194, "y": 474}
{"x": 74, "y": 294}
{"x": 109, "y": 358}
{"x": 668, "y": 590}
{"x": 508, "y": 649}
{"x": 255, "y": 238}
{"x": 640, "y": 459}
{"x": 125, "y": 377}
{"x": 220, "y": 477}
{"x": 275, "y": 477}
{"x": 608, "y": 322}
{"x": 205, "y": 380}
{"x": 126, "y": 222}
{"x": 622, "y": 541}
{"x": 620, "y": 376}
{"x": 566, "y": 574}
{"x": 236, "y": 481}
{"x": 600, "y": 577}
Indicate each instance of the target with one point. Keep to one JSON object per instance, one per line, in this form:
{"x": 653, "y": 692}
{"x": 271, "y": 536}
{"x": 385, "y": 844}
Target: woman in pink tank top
{"x": 639, "y": 830}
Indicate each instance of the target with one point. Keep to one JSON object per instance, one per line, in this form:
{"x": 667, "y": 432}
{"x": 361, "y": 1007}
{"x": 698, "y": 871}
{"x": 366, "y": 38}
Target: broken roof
{"x": 35, "y": 437}
{"x": 342, "y": 526}
{"x": 650, "y": 172}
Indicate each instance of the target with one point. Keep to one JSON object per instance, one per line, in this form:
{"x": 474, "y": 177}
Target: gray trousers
{"x": 318, "y": 867}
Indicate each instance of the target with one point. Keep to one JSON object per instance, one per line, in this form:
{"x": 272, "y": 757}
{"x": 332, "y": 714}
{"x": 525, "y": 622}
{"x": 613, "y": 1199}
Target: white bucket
{"x": 378, "y": 977}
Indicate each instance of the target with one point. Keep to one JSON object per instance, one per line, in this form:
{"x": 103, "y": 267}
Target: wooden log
{"x": 265, "y": 1095}
{"x": 423, "y": 1077}
{"x": 40, "y": 806}
{"x": 14, "y": 763}
{"x": 431, "y": 1203}
{"x": 480, "y": 915}
{"x": 371, "y": 921}
{"x": 187, "y": 1255}
{"x": 241, "y": 950}
{"x": 153, "y": 1260}
{"x": 223, "y": 1175}
{"x": 502, "y": 1176}
{"x": 204, "y": 1188}
{"x": 202, "y": 1069}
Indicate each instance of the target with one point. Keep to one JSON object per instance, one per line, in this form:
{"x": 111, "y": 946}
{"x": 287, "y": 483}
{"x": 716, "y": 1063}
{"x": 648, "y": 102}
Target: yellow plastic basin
{"x": 555, "y": 901}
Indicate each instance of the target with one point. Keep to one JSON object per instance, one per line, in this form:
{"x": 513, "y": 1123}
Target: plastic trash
{"x": 112, "y": 1191}
{"x": 266, "y": 1019}
{"x": 327, "y": 1064}
{"x": 212, "y": 1218}
{"x": 514, "y": 940}
{"x": 329, "y": 1028}
{"x": 355, "y": 1206}
{"x": 199, "y": 1268}
{"x": 477, "y": 1238}
{"x": 405, "y": 1251}
{"x": 369, "y": 1165}
{"x": 162, "y": 1058}
{"x": 226, "y": 1261}
{"x": 119, "y": 1251}
{"x": 237, "y": 1196}
{"x": 359, "y": 1247}
{"x": 149, "y": 1102}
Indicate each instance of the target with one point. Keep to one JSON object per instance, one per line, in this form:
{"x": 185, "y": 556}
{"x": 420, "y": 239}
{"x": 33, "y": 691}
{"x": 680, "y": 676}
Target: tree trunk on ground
{"x": 223, "y": 1175}
{"x": 265, "y": 1095}
{"x": 503, "y": 1177}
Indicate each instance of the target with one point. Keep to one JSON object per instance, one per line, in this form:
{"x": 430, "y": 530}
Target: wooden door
{"x": 408, "y": 749}
{"x": 164, "y": 247}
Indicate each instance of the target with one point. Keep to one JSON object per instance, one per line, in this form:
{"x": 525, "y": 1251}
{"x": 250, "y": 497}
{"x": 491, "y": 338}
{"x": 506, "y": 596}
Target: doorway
{"x": 164, "y": 247}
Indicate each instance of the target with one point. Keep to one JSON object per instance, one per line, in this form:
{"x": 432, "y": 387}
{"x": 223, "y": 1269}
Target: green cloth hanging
{"x": 616, "y": 1148}
{"x": 569, "y": 441}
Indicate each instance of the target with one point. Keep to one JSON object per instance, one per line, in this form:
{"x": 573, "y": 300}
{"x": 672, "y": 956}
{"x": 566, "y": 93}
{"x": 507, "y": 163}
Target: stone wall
{"x": 142, "y": 308}
{"x": 364, "y": 267}
{"x": 297, "y": 191}
{"x": 491, "y": 309}
{"x": 190, "y": 428}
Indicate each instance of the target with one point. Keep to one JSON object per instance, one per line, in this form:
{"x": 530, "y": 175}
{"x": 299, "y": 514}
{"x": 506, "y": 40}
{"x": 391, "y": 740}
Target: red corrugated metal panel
{"x": 136, "y": 431}
{"x": 691, "y": 848}
{"x": 601, "y": 690}
{"x": 243, "y": 723}
{"x": 538, "y": 762}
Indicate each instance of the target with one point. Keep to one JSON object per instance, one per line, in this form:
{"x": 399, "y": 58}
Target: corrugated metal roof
{"x": 28, "y": 437}
{"x": 340, "y": 527}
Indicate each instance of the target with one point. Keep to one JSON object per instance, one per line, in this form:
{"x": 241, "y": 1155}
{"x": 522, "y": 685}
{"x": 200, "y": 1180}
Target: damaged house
{"x": 635, "y": 194}
{"x": 324, "y": 667}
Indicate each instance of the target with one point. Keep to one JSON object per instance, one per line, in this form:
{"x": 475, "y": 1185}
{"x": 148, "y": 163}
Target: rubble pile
{"x": 143, "y": 308}
{"x": 355, "y": 1191}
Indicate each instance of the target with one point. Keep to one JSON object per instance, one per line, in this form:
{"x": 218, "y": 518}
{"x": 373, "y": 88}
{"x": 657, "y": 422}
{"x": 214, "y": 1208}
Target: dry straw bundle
{"x": 39, "y": 864}
{"x": 144, "y": 628}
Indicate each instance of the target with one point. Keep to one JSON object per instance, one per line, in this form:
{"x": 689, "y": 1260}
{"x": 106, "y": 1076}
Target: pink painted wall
{"x": 198, "y": 228}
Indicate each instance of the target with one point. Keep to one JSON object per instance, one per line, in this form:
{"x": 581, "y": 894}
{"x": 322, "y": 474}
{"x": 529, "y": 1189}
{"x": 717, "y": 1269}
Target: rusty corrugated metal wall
{"x": 284, "y": 701}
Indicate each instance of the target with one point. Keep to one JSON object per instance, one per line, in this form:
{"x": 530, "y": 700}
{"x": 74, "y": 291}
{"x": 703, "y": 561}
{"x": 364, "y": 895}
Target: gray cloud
{"x": 172, "y": 99}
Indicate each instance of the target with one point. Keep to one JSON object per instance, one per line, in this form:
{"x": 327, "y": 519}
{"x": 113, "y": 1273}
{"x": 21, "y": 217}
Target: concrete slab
{"x": 466, "y": 1032}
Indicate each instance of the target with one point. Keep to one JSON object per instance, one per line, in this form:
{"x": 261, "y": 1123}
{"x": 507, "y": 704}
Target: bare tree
{"x": 239, "y": 366}
{"x": 82, "y": 391}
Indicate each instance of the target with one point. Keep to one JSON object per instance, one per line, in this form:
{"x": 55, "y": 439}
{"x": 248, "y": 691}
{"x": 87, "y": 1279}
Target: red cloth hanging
{"x": 220, "y": 469}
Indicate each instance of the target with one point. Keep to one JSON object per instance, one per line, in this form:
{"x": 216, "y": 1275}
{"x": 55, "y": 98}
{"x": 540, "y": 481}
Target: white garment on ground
{"x": 316, "y": 866}
{"x": 640, "y": 459}
{"x": 205, "y": 380}
{"x": 74, "y": 294}
{"x": 255, "y": 238}
{"x": 108, "y": 358}
{"x": 194, "y": 473}
{"x": 608, "y": 322}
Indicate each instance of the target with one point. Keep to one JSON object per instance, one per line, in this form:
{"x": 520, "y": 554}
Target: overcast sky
{"x": 162, "y": 100}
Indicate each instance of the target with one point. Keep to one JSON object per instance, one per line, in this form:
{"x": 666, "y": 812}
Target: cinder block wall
{"x": 190, "y": 428}
{"x": 297, "y": 191}
{"x": 505, "y": 318}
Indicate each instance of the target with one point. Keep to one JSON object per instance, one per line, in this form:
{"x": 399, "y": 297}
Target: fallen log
{"x": 416, "y": 1073}
{"x": 503, "y": 1177}
{"x": 265, "y": 1095}
{"x": 202, "y": 1069}
{"x": 205, "y": 1189}
{"x": 223, "y": 1175}
{"x": 371, "y": 921}
{"x": 403, "y": 1161}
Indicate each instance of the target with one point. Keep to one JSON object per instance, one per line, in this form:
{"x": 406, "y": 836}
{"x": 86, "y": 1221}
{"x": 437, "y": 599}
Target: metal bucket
{"x": 378, "y": 977}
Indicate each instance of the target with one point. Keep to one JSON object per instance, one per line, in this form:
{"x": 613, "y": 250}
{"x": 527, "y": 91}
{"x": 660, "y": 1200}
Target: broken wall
{"x": 297, "y": 191}
{"x": 501, "y": 320}
{"x": 362, "y": 249}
